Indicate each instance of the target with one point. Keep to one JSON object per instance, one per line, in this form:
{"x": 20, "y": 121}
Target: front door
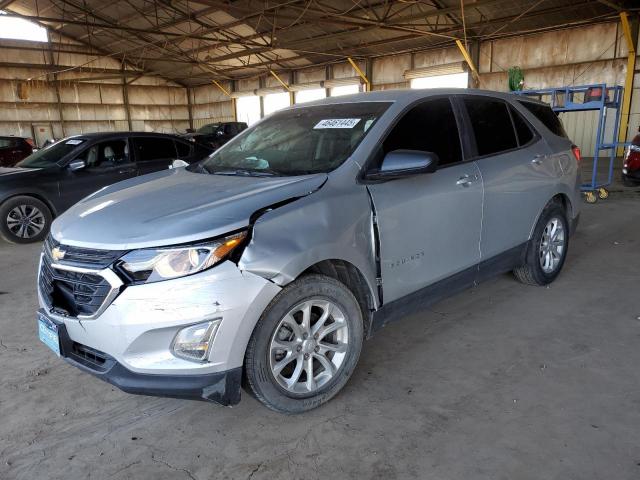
{"x": 429, "y": 224}
{"x": 107, "y": 162}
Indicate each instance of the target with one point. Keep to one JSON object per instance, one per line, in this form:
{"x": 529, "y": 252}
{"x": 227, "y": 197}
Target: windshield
{"x": 50, "y": 155}
{"x": 210, "y": 128}
{"x": 295, "y": 142}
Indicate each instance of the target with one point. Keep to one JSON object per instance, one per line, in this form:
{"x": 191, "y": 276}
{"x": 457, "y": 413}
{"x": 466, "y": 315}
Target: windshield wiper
{"x": 249, "y": 172}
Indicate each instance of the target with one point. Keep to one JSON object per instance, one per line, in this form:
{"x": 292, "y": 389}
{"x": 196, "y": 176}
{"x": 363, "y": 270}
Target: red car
{"x": 631, "y": 164}
{"x": 14, "y": 149}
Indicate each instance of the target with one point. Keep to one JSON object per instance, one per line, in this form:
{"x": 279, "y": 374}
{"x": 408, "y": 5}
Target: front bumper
{"x": 219, "y": 387}
{"x": 135, "y": 331}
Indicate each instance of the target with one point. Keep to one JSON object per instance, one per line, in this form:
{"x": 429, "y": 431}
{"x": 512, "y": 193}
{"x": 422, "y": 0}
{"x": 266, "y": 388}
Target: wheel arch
{"x": 348, "y": 274}
{"x": 37, "y": 196}
{"x": 560, "y": 198}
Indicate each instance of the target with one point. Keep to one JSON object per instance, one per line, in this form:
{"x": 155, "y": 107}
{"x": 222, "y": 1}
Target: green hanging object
{"x": 516, "y": 79}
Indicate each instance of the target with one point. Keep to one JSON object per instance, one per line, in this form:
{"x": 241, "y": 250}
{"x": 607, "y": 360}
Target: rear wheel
{"x": 24, "y": 219}
{"x": 547, "y": 249}
{"x": 305, "y": 346}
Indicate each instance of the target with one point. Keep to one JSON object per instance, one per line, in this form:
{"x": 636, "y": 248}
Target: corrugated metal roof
{"x": 192, "y": 42}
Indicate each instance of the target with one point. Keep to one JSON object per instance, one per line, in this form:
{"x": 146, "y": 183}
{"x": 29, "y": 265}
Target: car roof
{"x": 409, "y": 95}
{"x": 106, "y": 135}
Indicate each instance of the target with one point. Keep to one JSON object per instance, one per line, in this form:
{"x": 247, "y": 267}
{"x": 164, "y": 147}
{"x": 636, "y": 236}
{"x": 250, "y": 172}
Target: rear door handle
{"x": 537, "y": 160}
{"x": 466, "y": 180}
{"x": 127, "y": 170}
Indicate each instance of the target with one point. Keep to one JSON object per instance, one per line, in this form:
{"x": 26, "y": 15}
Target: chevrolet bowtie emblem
{"x": 57, "y": 254}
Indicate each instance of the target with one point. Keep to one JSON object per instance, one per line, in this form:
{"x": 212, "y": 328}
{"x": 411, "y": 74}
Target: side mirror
{"x": 405, "y": 163}
{"x": 177, "y": 163}
{"x": 219, "y": 132}
{"x": 77, "y": 165}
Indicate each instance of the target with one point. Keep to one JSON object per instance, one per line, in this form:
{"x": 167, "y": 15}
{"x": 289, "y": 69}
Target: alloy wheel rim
{"x": 25, "y": 221}
{"x": 552, "y": 245}
{"x": 309, "y": 346}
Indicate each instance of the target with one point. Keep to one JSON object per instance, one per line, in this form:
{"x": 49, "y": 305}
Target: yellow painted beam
{"x": 628, "y": 81}
{"x": 224, "y": 90}
{"x": 361, "y": 74}
{"x": 467, "y": 58}
{"x": 277, "y": 77}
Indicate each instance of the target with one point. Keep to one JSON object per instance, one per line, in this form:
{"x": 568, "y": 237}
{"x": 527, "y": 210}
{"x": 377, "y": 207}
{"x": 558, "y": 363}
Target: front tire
{"x": 24, "y": 219}
{"x": 547, "y": 249}
{"x": 305, "y": 345}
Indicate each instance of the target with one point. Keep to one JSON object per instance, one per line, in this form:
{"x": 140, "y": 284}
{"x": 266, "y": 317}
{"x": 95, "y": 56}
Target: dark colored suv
{"x": 14, "y": 149}
{"x": 216, "y": 134}
{"x": 49, "y": 181}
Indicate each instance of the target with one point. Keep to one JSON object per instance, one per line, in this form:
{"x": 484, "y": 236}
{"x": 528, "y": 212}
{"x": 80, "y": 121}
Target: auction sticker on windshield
{"x": 337, "y": 123}
{"x": 74, "y": 142}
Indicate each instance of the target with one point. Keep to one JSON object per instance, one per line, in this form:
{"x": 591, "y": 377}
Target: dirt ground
{"x": 504, "y": 381}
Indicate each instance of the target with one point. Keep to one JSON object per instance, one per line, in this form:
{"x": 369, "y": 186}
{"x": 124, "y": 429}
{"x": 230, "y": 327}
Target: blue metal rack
{"x": 598, "y": 97}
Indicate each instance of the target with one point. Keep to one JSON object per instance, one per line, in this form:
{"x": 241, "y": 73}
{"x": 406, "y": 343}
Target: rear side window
{"x": 523, "y": 130}
{"x": 491, "y": 125}
{"x": 5, "y": 142}
{"x": 547, "y": 116}
{"x": 183, "y": 149}
{"x": 153, "y": 148}
{"x": 430, "y": 127}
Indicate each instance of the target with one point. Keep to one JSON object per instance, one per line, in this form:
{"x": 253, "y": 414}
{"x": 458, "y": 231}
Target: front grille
{"x": 69, "y": 292}
{"x": 84, "y": 257}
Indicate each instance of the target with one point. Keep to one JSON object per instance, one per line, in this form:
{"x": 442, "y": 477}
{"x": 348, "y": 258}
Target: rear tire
{"x": 24, "y": 219}
{"x": 547, "y": 248}
{"x": 313, "y": 325}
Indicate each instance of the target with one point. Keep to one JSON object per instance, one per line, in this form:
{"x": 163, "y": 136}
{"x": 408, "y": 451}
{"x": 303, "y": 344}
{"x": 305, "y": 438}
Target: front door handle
{"x": 466, "y": 180}
{"x": 127, "y": 170}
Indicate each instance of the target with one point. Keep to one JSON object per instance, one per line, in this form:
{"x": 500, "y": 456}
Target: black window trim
{"x": 472, "y": 136}
{"x": 463, "y": 146}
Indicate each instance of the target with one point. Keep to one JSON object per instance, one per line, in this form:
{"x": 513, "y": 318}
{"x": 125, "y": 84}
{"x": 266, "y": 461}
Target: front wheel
{"x": 305, "y": 346}
{"x": 24, "y": 219}
{"x": 547, "y": 249}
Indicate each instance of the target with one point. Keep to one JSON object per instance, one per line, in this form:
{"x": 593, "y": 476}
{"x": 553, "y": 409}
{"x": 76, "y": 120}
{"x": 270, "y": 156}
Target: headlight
{"x": 154, "y": 265}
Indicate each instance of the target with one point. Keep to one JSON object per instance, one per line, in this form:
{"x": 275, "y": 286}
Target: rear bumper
{"x": 220, "y": 387}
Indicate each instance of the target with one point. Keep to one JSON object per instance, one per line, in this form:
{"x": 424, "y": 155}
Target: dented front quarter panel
{"x": 333, "y": 223}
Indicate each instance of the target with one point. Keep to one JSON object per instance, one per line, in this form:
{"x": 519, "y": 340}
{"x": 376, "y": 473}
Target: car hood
{"x": 172, "y": 207}
{"x": 12, "y": 171}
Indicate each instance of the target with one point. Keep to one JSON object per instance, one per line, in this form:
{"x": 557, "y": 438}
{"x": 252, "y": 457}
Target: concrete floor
{"x": 502, "y": 382}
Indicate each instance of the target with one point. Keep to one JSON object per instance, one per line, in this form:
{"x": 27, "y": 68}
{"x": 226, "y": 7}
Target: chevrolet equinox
{"x": 267, "y": 264}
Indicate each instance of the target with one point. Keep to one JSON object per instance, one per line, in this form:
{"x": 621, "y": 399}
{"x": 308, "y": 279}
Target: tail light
{"x": 576, "y": 153}
{"x": 30, "y": 142}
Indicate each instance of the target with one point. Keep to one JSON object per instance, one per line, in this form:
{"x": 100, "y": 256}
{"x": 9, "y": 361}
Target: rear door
{"x": 429, "y": 224}
{"x": 517, "y": 172}
{"x": 153, "y": 153}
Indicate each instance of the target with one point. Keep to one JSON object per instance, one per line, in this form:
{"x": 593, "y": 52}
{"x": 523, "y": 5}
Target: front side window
{"x": 429, "y": 127}
{"x": 153, "y": 148}
{"x": 296, "y": 142}
{"x": 491, "y": 125}
{"x": 52, "y": 154}
{"x": 106, "y": 154}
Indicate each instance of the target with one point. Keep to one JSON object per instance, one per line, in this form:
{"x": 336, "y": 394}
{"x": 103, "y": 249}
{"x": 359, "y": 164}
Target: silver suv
{"x": 268, "y": 263}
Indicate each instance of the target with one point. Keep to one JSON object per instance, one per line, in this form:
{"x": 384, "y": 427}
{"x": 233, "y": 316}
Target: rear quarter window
{"x": 547, "y": 116}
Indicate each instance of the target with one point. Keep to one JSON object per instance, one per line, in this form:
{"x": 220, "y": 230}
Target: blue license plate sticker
{"x": 48, "y": 333}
